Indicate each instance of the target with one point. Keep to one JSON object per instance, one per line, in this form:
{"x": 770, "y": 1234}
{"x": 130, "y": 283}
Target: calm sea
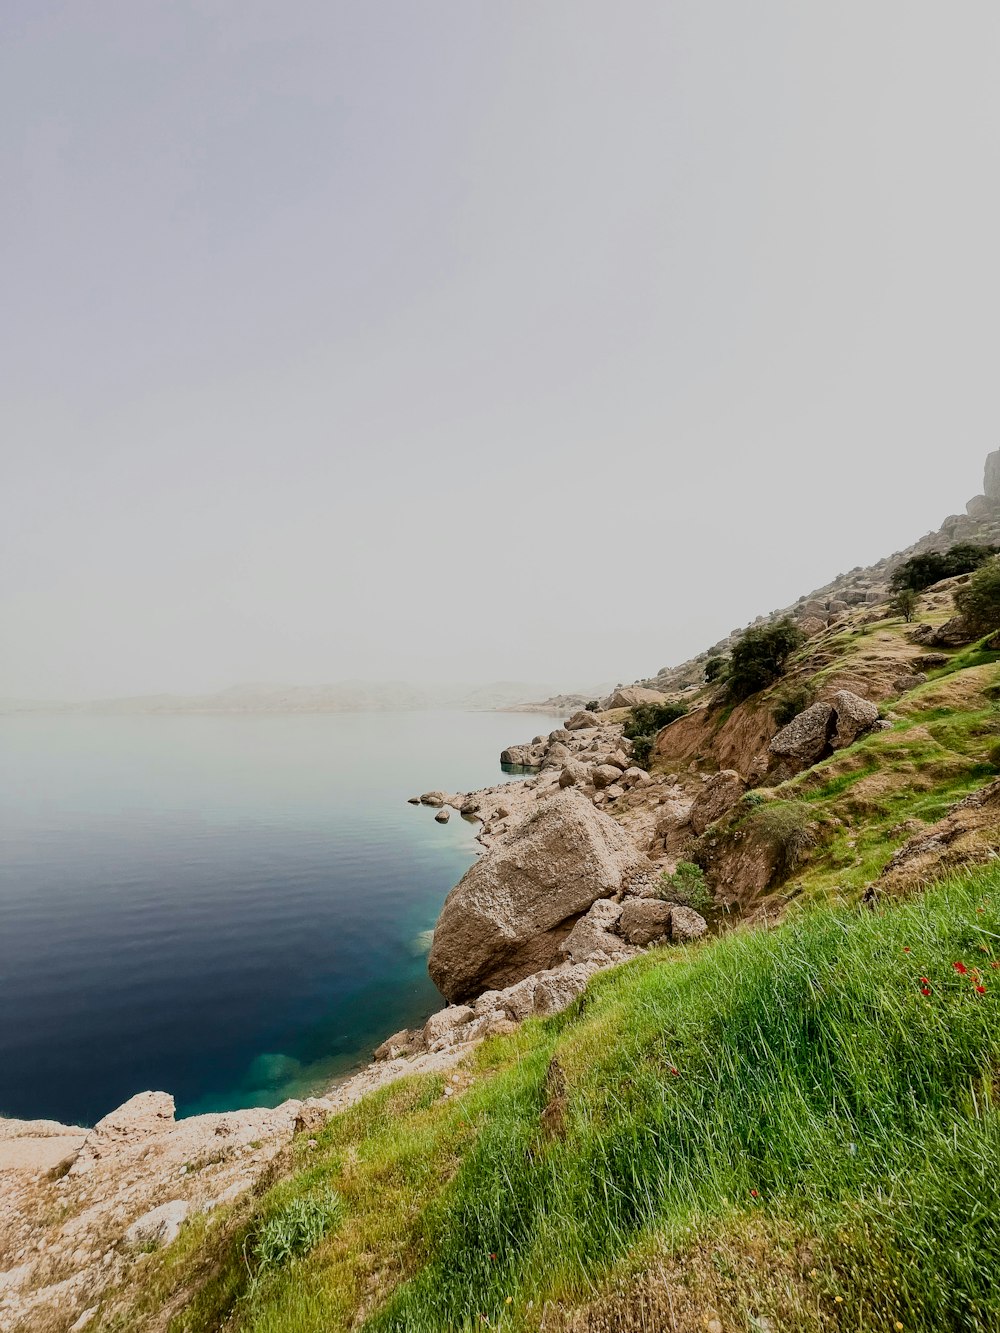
{"x": 231, "y": 909}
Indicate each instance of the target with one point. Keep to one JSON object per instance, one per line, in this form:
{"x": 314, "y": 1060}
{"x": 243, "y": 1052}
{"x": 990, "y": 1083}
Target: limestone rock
{"x": 444, "y": 1022}
{"x": 158, "y": 1227}
{"x": 443, "y": 816}
{"x": 719, "y": 794}
{"x": 981, "y": 508}
{"x": 991, "y": 480}
{"x": 643, "y": 920}
{"x": 592, "y": 933}
{"x": 686, "y": 924}
{"x": 854, "y": 717}
{"x": 631, "y": 695}
{"x": 812, "y": 625}
{"x": 604, "y": 774}
{"x": 510, "y": 911}
{"x": 579, "y": 721}
{"x": 807, "y": 737}
{"x": 574, "y": 774}
{"x": 400, "y": 1043}
{"x": 434, "y": 798}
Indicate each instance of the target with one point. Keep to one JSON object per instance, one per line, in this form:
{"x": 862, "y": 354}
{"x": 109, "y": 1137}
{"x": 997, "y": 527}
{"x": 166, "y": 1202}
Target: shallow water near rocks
{"x": 231, "y": 909}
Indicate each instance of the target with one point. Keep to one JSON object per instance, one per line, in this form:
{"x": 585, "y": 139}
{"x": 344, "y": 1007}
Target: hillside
{"x": 723, "y": 1050}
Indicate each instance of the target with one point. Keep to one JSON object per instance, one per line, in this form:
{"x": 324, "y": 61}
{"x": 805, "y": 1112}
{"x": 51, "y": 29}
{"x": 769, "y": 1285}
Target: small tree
{"x": 594, "y": 706}
{"x": 978, "y": 603}
{"x": 761, "y": 655}
{"x": 716, "y": 668}
{"x": 904, "y": 603}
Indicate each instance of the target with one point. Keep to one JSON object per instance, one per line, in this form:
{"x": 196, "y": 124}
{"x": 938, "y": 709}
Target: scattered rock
{"x": 686, "y": 924}
{"x": 443, "y": 816}
{"x": 433, "y": 798}
{"x": 603, "y": 775}
{"x": 574, "y": 774}
{"x": 158, "y": 1227}
{"x": 643, "y": 920}
{"x": 719, "y": 794}
{"x": 592, "y": 933}
{"x": 444, "y": 1022}
{"x": 400, "y": 1043}
{"x": 807, "y": 737}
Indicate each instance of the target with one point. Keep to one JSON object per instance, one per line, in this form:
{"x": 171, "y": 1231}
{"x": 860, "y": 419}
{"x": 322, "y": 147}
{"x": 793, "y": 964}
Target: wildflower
{"x": 898, "y": 1326}
{"x": 906, "y": 948}
{"x": 492, "y": 1256}
{"x": 508, "y": 1300}
{"x": 960, "y": 968}
{"x": 753, "y": 1194}
{"x": 814, "y": 1272}
{"x": 924, "y": 981}
{"x": 673, "y": 1070}
{"x": 925, "y": 990}
{"x": 994, "y": 964}
{"x": 980, "y": 990}
{"x": 839, "y": 1300}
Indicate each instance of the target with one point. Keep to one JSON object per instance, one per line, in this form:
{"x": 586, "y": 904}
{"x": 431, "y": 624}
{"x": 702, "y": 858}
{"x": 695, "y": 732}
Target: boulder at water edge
{"x": 509, "y": 913}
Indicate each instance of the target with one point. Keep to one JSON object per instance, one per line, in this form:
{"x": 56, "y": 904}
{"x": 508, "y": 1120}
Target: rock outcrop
{"x": 628, "y": 696}
{"x": 819, "y": 730}
{"x": 720, "y": 793}
{"x": 508, "y": 914}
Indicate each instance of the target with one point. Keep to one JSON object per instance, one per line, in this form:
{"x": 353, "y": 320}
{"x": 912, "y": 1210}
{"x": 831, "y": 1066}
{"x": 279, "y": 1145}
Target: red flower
{"x": 492, "y": 1256}
{"x": 925, "y": 990}
{"x": 960, "y": 968}
{"x": 753, "y": 1194}
{"x": 980, "y": 990}
{"x": 994, "y": 964}
{"x": 906, "y": 948}
{"x": 925, "y": 981}
{"x": 673, "y": 1071}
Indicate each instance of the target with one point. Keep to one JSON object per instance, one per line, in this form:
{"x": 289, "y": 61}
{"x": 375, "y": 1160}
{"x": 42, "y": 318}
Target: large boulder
{"x": 719, "y": 794}
{"x": 807, "y": 737}
{"x": 854, "y": 715}
{"x": 574, "y": 774}
{"x": 581, "y": 720}
{"x": 604, "y": 774}
{"x": 686, "y": 924}
{"x": 510, "y": 911}
{"x": 631, "y": 695}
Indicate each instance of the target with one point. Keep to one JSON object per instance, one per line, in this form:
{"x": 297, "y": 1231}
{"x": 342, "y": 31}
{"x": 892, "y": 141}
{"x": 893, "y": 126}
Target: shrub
{"x": 292, "y": 1232}
{"x": 760, "y": 656}
{"x": 787, "y": 829}
{"x": 594, "y": 706}
{"x": 648, "y": 719}
{"x": 920, "y": 571}
{"x": 716, "y": 668}
{"x": 642, "y": 724}
{"x": 978, "y": 603}
{"x": 642, "y": 748}
{"x": 993, "y": 755}
{"x": 790, "y": 704}
{"x": 904, "y": 603}
{"x": 686, "y": 885}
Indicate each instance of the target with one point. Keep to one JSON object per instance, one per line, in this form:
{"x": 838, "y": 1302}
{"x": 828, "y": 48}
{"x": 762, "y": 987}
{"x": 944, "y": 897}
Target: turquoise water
{"x": 231, "y": 909}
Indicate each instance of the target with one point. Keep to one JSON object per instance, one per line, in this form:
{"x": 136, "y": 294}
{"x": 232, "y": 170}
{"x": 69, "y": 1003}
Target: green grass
{"x": 782, "y": 1115}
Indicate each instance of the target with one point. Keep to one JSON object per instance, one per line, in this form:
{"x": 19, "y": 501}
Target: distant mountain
{"x": 349, "y": 696}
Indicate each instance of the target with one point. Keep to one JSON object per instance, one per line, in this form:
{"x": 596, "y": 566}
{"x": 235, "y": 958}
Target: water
{"x": 231, "y": 909}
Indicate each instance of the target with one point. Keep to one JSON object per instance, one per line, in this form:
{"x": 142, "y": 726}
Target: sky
{"x": 469, "y": 340}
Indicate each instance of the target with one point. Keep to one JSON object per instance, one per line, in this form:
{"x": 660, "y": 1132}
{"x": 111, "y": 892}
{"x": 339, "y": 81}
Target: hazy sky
{"x": 545, "y": 339}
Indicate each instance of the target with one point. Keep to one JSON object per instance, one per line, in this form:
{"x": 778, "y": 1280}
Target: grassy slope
{"x": 827, "y": 1153}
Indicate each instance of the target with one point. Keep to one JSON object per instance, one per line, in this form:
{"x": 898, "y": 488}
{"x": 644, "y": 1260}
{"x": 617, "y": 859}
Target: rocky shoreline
{"x": 561, "y": 891}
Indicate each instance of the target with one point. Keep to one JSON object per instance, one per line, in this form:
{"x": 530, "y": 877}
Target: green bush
{"x": 648, "y": 719}
{"x": 904, "y": 603}
{"x": 920, "y": 571}
{"x": 978, "y": 603}
{"x": 716, "y": 669}
{"x": 292, "y": 1232}
{"x": 594, "y": 706}
{"x": 760, "y": 657}
{"x": 686, "y": 885}
{"x": 787, "y": 829}
{"x": 642, "y": 724}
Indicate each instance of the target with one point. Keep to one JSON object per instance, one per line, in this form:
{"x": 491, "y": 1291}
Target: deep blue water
{"x": 231, "y": 909}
